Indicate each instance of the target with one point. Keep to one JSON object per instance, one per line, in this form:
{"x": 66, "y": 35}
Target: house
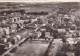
{"x": 1, "y": 32}
{"x": 15, "y": 19}
{"x": 3, "y": 19}
{"x": 61, "y": 30}
{"x": 13, "y": 28}
{"x": 48, "y": 35}
{"x": 5, "y": 28}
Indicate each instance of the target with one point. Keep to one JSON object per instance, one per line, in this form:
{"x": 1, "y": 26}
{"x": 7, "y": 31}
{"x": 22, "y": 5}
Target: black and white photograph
{"x": 39, "y": 28}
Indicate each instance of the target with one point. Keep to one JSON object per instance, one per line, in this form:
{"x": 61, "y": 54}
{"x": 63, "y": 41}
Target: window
{"x": 18, "y": 18}
{"x": 14, "y": 20}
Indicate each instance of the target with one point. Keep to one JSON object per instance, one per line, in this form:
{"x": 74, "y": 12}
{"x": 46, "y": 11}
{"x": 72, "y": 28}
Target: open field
{"x": 31, "y": 49}
{"x": 38, "y": 7}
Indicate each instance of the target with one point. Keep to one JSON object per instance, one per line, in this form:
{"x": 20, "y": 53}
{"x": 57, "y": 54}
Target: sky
{"x": 40, "y": 1}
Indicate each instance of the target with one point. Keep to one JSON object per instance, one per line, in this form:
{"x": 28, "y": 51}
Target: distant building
{"x": 37, "y": 13}
{"x": 15, "y": 19}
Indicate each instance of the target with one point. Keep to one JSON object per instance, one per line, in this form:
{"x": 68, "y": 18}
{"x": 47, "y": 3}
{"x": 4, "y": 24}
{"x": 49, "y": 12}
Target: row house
{"x": 15, "y": 19}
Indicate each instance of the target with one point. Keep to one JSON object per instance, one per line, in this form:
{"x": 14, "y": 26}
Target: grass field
{"x": 31, "y": 49}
